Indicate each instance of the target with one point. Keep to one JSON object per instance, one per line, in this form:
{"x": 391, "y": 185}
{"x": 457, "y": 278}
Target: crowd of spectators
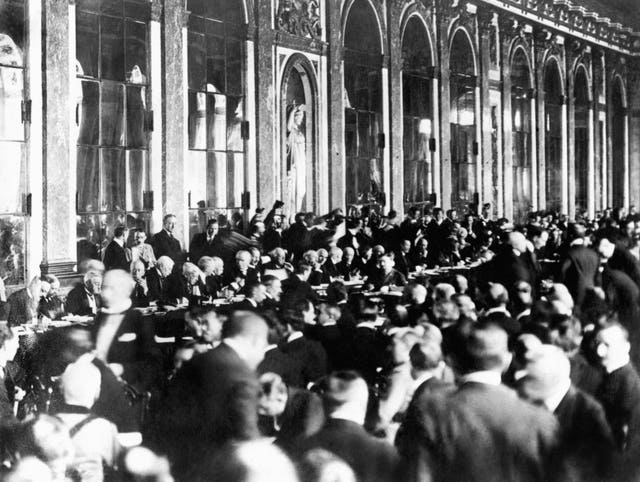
{"x": 346, "y": 348}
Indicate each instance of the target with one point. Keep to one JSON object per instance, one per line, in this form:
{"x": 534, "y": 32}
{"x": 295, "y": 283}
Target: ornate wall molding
{"x": 300, "y": 18}
{"x": 156, "y": 10}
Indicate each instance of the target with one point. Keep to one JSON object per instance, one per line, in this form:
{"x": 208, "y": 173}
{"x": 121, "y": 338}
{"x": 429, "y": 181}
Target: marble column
{"x": 266, "y": 114}
{"x": 155, "y": 81}
{"x": 59, "y": 163}
{"x": 175, "y": 113}
{"x": 445, "y": 112}
{"x": 485, "y": 184}
{"x": 395, "y": 147}
{"x": 507, "y": 124}
{"x": 337, "y": 165}
{"x": 634, "y": 132}
{"x": 571, "y": 144}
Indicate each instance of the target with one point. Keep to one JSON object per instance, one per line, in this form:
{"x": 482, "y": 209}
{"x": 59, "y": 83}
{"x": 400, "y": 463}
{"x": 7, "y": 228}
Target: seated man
{"x": 95, "y": 439}
{"x": 212, "y": 269}
{"x": 140, "y": 294}
{"x": 241, "y": 274}
{"x": 387, "y": 276}
{"x": 51, "y": 305}
{"x": 83, "y": 299}
{"x": 22, "y": 306}
{"x": 161, "y": 282}
{"x": 123, "y": 338}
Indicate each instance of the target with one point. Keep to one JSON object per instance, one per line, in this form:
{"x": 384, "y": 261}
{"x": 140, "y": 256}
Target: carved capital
{"x": 185, "y": 18}
{"x": 300, "y": 18}
{"x": 72, "y": 2}
{"x": 485, "y": 20}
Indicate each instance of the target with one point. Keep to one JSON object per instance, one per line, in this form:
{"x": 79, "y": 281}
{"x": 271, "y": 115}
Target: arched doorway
{"x": 581, "y": 140}
{"x": 363, "y": 106}
{"x": 618, "y": 144}
{"x": 297, "y": 171}
{"x": 521, "y": 131}
{"x": 417, "y": 108}
{"x": 464, "y": 146}
{"x": 553, "y": 101}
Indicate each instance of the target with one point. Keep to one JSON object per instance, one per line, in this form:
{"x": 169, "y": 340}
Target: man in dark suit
{"x": 124, "y": 340}
{"x": 462, "y": 435}
{"x": 296, "y": 287}
{"x": 164, "y": 242}
{"x": 347, "y": 267}
{"x": 354, "y": 237}
{"x": 117, "y": 255}
{"x": 140, "y": 293}
{"x": 401, "y": 257}
{"x": 618, "y": 258}
{"x": 579, "y": 268}
{"x": 387, "y": 275}
{"x": 163, "y": 284}
{"x": 214, "y": 397}
{"x": 619, "y": 392}
{"x": 22, "y": 305}
{"x": 331, "y": 267}
{"x": 585, "y": 433}
{"x": 240, "y": 275}
{"x": 508, "y": 267}
{"x": 345, "y": 398}
{"x": 83, "y": 299}
{"x": 207, "y": 243}
{"x": 255, "y": 295}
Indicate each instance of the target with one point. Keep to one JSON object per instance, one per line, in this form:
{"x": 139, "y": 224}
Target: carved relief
{"x": 299, "y": 17}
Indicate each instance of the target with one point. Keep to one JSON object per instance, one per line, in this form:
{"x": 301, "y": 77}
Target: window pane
{"x": 234, "y": 12}
{"x": 216, "y": 122}
{"x": 234, "y": 67}
{"x": 88, "y": 184}
{"x": 217, "y": 179}
{"x": 196, "y": 179}
{"x": 112, "y": 35}
{"x": 351, "y": 134}
{"x": 136, "y": 110}
{"x": 88, "y": 114}
{"x": 137, "y": 9}
{"x": 88, "y": 237}
{"x": 197, "y": 70}
{"x": 136, "y": 44}
{"x": 196, "y": 7}
{"x": 12, "y": 180}
{"x": 364, "y": 135}
{"x": 87, "y": 49}
{"x": 11, "y": 88}
{"x": 112, "y": 114}
{"x": 197, "y": 120}
{"x": 235, "y": 179}
{"x": 113, "y": 180}
{"x": 112, "y": 7}
{"x": 215, "y": 9}
{"x": 89, "y": 5}
{"x": 12, "y": 249}
{"x": 235, "y": 116}
{"x": 137, "y": 179}
{"x": 13, "y": 26}
{"x": 215, "y": 64}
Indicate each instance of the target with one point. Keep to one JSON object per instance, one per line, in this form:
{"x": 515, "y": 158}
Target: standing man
{"x": 207, "y": 243}
{"x": 164, "y": 243}
{"x": 117, "y": 255}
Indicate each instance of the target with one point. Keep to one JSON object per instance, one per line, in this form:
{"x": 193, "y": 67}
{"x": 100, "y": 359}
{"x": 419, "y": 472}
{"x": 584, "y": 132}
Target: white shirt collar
{"x": 497, "y": 309}
{"x": 485, "y": 377}
{"x": 420, "y": 380}
{"x": 330, "y": 323}
{"x": 554, "y": 400}
{"x": 526, "y": 312}
{"x": 348, "y": 413}
{"x": 624, "y": 360}
{"x": 577, "y": 242}
{"x": 294, "y": 336}
{"x": 253, "y": 302}
{"x": 119, "y": 241}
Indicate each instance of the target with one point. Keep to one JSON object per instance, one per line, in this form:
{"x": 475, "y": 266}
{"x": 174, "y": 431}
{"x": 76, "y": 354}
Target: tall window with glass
{"x": 618, "y": 145}
{"x": 215, "y": 170}
{"x": 521, "y": 131}
{"x": 553, "y": 101}
{"x": 363, "y": 107}
{"x": 417, "y": 106}
{"x": 13, "y": 141}
{"x": 581, "y": 141}
{"x": 464, "y": 146}
{"x": 113, "y": 120}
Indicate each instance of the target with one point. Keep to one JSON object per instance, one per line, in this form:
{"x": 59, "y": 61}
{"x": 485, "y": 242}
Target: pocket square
{"x": 127, "y": 337}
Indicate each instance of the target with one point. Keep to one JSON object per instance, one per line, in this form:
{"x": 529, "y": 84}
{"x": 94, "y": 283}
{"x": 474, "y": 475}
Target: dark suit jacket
{"x": 403, "y": 263}
{"x": 379, "y": 279}
{"x": 21, "y": 308}
{"x": 233, "y": 273}
{"x": 199, "y": 247}
{"x": 462, "y": 435}
{"x": 330, "y": 270}
{"x": 115, "y": 257}
{"x": 166, "y": 290}
{"x": 134, "y": 347}
{"x": 293, "y": 288}
{"x": 307, "y": 362}
{"x": 302, "y": 417}
{"x": 212, "y": 400}
{"x": 507, "y": 269}
{"x": 6, "y": 402}
{"x": 78, "y": 301}
{"x": 371, "y": 459}
{"x": 623, "y": 260}
{"x": 165, "y": 245}
{"x": 579, "y": 271}
{"x": 245, "y": 305}
{"x": 586, "y": 435}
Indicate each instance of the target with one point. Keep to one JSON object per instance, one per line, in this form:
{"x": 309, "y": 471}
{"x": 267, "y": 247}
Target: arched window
{"x": 13, "y": 137}
{"x": 464, "y": 146}
{"x": 581, "y": 143}
{"x": 521, "y": 129}
{"x": 417, "y": 107}
{"x": 112, "y": 95}
{"x": 363, "y": 106}
{"x": 215, "y": 171}
{"x": 553, "y": 100}
{"x": 298, "y": 168}
{"x": 617, "y": 144}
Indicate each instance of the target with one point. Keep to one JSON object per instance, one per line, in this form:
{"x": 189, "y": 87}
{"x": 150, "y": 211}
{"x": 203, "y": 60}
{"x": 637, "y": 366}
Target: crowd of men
{"x": 362, "y": 348}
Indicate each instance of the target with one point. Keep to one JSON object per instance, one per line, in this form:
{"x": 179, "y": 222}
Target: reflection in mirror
{"x": 12, "y": 249}
{"x": 11, "y": 95}
{"x": 88, "y": 174}
{"x": 13, "y": 176}
{"x": 113, "y": 180}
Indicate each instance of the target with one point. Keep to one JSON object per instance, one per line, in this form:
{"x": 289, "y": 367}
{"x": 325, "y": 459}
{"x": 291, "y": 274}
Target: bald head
{"x": 248, "y": 331}
{"x": 117, "y": 286}
{"x": 80, "y": 383}
{"x": 517, "y": 241}
{"x": 486, "y": 348}
{"x": 497, "y": 295}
